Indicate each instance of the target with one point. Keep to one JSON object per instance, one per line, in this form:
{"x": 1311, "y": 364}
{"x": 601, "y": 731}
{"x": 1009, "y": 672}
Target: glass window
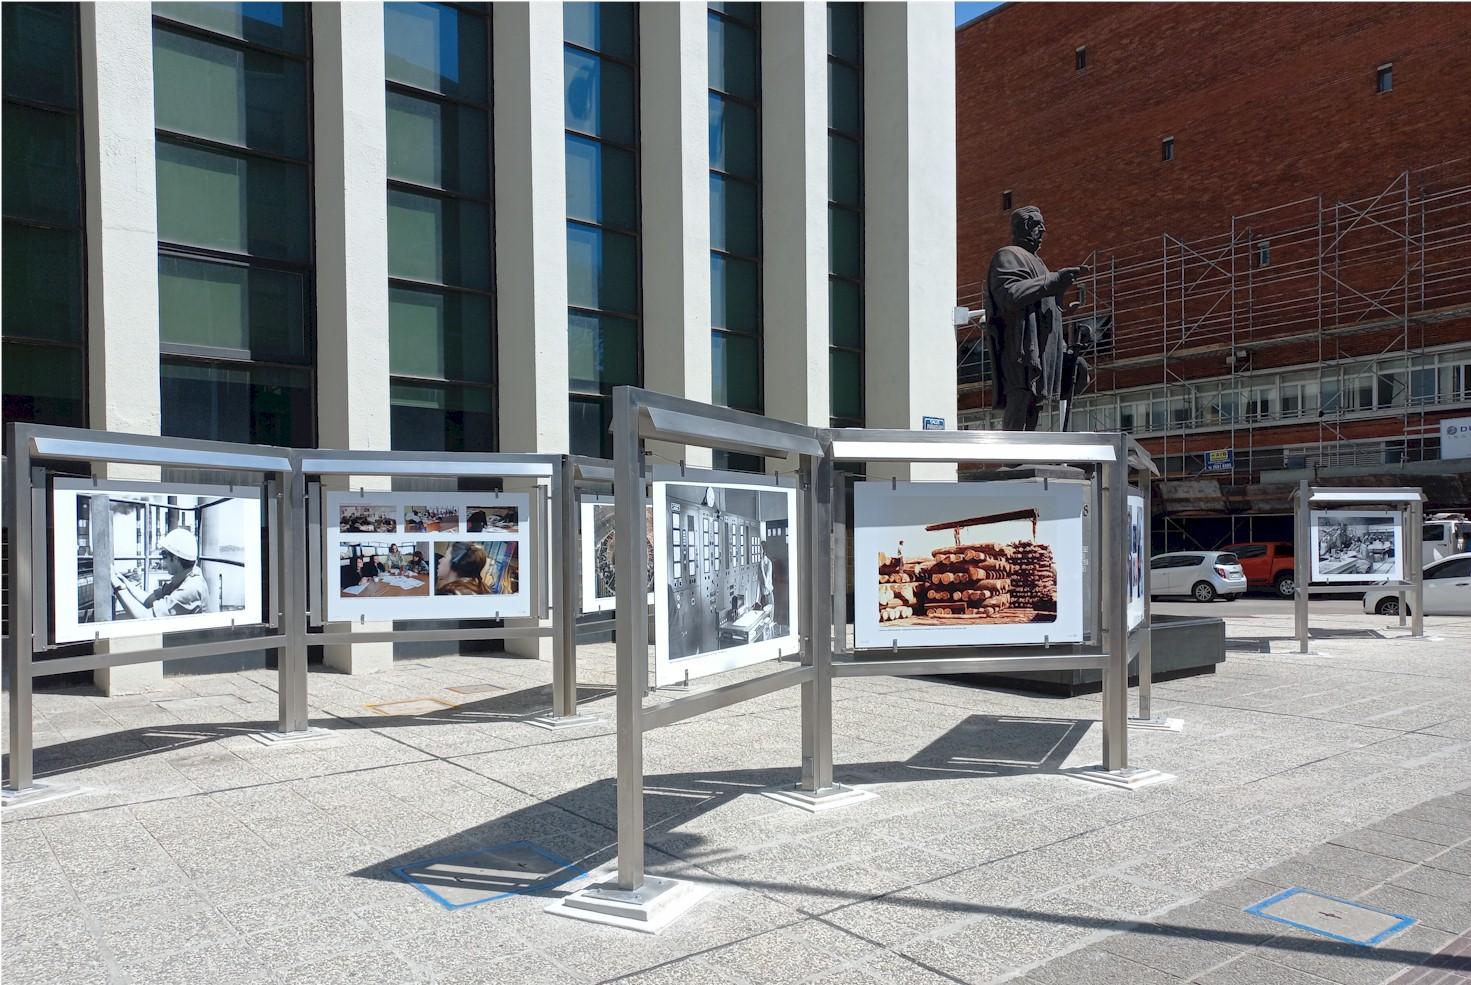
{"x": 734, "y": 216}
{"x": 438, "y": 144}
{"x": 845, "y": 242}
{"x": 43, "y": 283}
{"x": 602, "y": 183}
{"x": 431, "y": 417}
{"x": 845, "y": 170}
{"x": 844, "y": 98}
{"x": 42, "y": 167}
{"x": 736, "y": 371}
{"x": 847, "y": 384}
{"x": 274, "y": 25}
{"x": 44, "y": 383}
{"x": 735, "y": 137}
{"x": 229, "y": 94}
{"x": 590, "y": 419}
{"x": 440, "y": 334}
{"x": 40, "y": 56}
{"x": 242, "y": 402}
{"x": 437, "y": 48}
{"x": 1457, "y": 568}
{"x": 602, "y": 269}
{"x": 733, "y": 58}
{"x": 602, "y": 351}
{"x": 600, "y": 97}
{"x": 256, "y": 310}
{"x": 237, "y": 203}
{"x": 610, "y": 28}
{"x": 438, "y": 240}
{"x": 845, "y": 310}
{"x": 845, "y": 31}
{"x": 735, "y": 296}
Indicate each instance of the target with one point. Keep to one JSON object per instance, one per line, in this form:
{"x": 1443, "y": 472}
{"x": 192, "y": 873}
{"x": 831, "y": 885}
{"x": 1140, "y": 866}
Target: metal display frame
{"x": 1141, "y": 637}
{"x": 27, "y": 507}
{"x": 1409, "y": 501}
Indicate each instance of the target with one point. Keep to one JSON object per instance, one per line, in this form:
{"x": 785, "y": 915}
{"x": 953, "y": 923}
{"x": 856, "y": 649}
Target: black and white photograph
{"x": 435, "y": 569}
{"x": 1357, "y": 546}
{"x": 725, "y": 576}
{"x": 141, "y": 558}
{"x": 1136, "y": 560}
{"x": 970, "y": 563}
{"x": 599, "y": 560}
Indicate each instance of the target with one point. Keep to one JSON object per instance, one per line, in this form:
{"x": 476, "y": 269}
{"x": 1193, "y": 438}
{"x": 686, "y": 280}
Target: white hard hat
{"x": 181, "y": 544}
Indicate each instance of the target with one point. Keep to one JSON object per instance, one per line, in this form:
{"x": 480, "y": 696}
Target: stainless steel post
{"x": 816, "y": 614}
{"x": 1146, "y": 639}
{"x": 633, "y": 633}
{"x": 1114, "y": 519}
{"x": 1302, "y": 563}
{"x": 290, "y": 544}
{"x": 564, "y": 589}
{"x": 1417, "y": 562}
{"x": 18, "y": 645}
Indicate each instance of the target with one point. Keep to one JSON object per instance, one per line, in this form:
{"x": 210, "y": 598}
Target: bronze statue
{"x": 1030, "y": 359}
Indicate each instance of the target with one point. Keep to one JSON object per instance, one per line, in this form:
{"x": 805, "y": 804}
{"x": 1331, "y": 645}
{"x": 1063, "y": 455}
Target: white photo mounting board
{"x": 225, "y": 526}
{"x": 998, "y": 583}
{"x": 1138, "y": 560}
{"x": 460, "y": 555}
{"x": 599, "y": 577}
{"x": 726, "y": 572}
{"x": 1357, "y": 545}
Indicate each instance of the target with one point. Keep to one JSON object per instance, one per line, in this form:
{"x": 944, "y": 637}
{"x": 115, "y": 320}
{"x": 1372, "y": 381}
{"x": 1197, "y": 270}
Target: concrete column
{"x": 794, "y": 192}
{"x": 531, "y": 239}
{"x": 122, "y": 255}
{"x": 909, "y": 202}
{"x": 530, "y": 227}
{"x": 675, "y": 161}
{"x": 351, "y": 173}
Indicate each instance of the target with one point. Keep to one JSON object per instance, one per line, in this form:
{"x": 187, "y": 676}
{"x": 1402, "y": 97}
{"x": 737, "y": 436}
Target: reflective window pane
{"x": 602, "y": 269}
{"x": 442, "y": 418}
{"x": 256, "y": 309}
{"x": 845, "y": 171}
{"x": 236, "y": 402}
{"x": 602, "y": 352}
{"x": 735, "y": 137}
{"x": 276, "y": 25}
{"x": 735, "y": 294}
{"x": 746, "y": 13}
{"x": 846, "y": 394}
{"x": 735, "y": 371}
{"x": 602, "y": 183}
{"x": 607, "y": 27}
{"x": 733, "y": 58}
{"x": 443, "y": 334}
{"x": 589, "y": 420}
{"x": 43, "y": 383}
{"x": 845, "y": 242}
{"x": 438, "y": 240}
{"x": 434, "y": 47}
{"x": 844, "y": 98}
{"x": 246, "y": 98}
{"x": 734, "y": 215}
{"x": 43, "y": 283}
{"x": 232, "y": 202}
{"x": 600, "y": 97}
{"x": 42, "y": 179}
{"x": 40, "y": 53}
{"x": 845, "y": 312}
{"x": 845, "y": 31}
{"x": 439, "y": 145}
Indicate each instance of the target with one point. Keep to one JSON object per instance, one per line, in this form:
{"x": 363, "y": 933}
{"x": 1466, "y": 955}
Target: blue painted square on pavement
{"x": 516, "y": 868}
{"x": 1331, "y": 917}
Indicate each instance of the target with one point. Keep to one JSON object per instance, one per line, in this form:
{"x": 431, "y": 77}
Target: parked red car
{"x": 1267, "y": 564}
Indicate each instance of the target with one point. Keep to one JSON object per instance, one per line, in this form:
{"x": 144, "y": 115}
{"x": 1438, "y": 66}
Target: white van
{"x": 1443, "y": 535}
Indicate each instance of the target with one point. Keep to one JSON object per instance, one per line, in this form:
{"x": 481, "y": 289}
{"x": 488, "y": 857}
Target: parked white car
{"x": 1202, "y": 575}
{"x": 1447, "y": 590}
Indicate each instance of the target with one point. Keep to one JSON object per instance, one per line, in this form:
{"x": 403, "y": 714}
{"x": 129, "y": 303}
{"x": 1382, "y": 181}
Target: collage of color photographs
{"x": 426, "y": 555}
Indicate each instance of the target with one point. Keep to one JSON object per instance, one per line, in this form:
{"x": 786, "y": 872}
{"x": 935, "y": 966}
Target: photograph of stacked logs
{"x": 1004, "y": 583}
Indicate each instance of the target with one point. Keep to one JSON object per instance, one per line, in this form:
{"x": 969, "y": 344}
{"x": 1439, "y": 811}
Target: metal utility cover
{"x": 1329, "y": 916}
{"x": 513, "y": 869}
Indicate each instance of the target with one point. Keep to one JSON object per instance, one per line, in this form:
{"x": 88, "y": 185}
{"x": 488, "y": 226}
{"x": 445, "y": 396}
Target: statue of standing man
{"x": 1024, "y": 323}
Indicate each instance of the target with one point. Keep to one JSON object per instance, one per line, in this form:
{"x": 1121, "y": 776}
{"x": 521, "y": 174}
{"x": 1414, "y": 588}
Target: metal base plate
{"x": 558, "y": 723}
{"x": 1132, "y": 778}
{"x": 38, "y": 793}
{"x": 1158, "y": 723}
{"x": 815, "y": 801}
{"x": 649, "y": 909}
{"x": 312, "y": 734}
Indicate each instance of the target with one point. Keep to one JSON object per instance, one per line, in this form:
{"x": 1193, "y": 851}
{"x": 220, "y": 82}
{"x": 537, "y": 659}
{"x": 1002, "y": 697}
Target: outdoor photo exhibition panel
{"x": 427, "y": 555}
{"x": 724, "y": 564}
{"x": 146, "y": 558}
{"x": 1138, "y": 559}
{"x": 95, "y": 560}
{"x": 598, "y": 553}
{"x": 1357, "y": 545}
{"x": 967, "y": 563}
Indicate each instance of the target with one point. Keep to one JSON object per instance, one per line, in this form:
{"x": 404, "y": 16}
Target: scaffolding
{"x": 1328, "y": 280}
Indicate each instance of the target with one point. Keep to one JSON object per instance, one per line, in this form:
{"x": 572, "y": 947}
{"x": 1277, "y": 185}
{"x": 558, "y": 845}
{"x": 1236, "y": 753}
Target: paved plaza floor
{"x": 198, "y": 855}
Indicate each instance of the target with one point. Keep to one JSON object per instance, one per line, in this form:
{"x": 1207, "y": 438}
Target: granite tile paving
{"x": 196, "y": 854}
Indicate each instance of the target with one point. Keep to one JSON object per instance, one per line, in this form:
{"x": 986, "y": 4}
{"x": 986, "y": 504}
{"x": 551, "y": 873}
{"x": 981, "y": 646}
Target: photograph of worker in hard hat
{"x": 157, "y": 556}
